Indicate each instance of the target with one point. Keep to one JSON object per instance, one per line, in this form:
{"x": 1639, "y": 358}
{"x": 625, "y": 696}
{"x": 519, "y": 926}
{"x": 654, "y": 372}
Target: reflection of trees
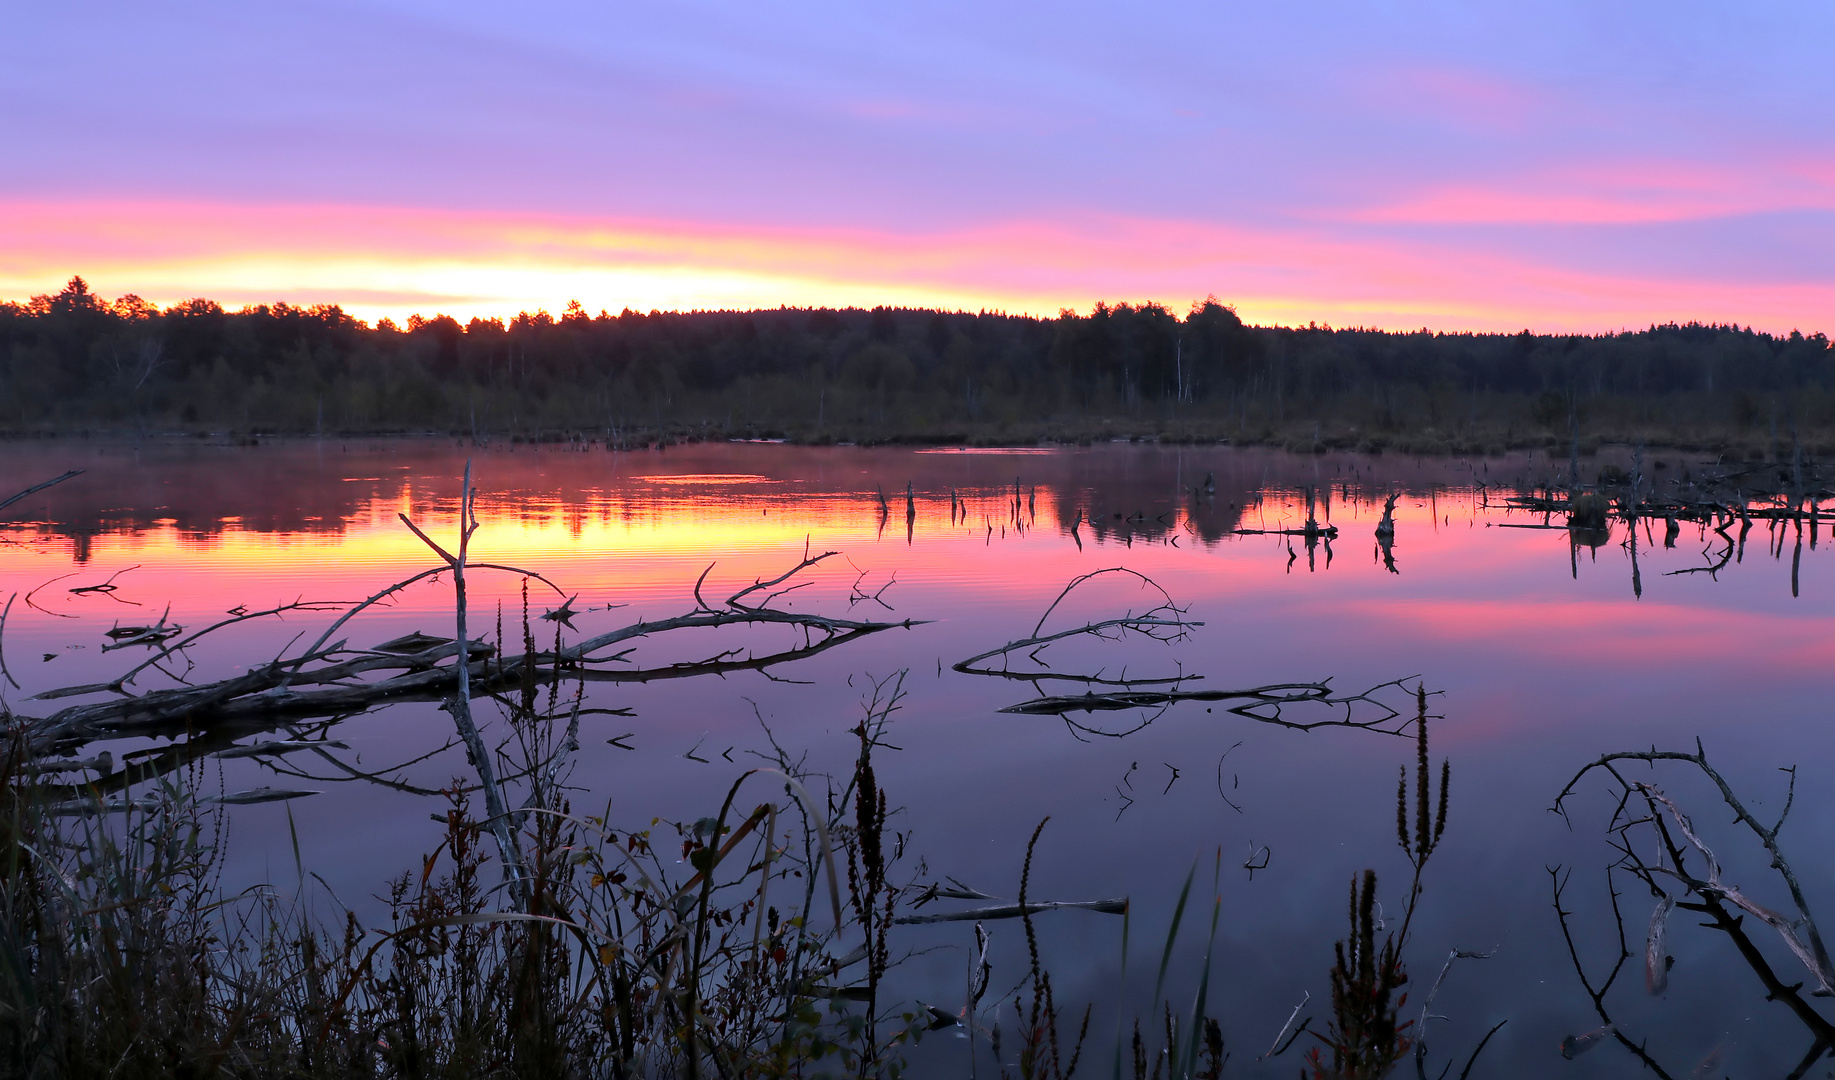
{"x": 1122, "y": 510}
{"x": 1713, "y": 498}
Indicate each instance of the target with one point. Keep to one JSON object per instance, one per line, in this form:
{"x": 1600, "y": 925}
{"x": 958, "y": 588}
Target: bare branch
{"x": 35, "y": 488}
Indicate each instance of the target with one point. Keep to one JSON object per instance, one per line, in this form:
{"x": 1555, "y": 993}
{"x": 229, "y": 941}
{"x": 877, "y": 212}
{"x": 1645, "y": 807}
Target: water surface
{"x": 1542, "y": 655}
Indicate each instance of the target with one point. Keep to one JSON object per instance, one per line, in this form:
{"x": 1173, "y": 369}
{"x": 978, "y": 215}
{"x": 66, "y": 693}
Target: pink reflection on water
{"x": 1545, "y": 655}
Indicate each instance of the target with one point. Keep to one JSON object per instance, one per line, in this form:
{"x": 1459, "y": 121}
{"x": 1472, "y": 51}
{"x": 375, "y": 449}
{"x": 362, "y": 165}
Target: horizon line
{"x": 122, "y": 307}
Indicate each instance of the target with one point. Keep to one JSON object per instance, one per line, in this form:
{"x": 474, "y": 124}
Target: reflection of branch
{"x": 35, "y": 590}
{"x": 141, "y": 766}
{"x": 857, "y": 594}
{"x": 377, "y": 776}
{"x": 1712, "y": 897}
{"x": 3, "y": 615}
{"x": 108, "y": 586}
{"x": 1713, "y": 568}
{"x": 1226, "y": 756}
{"x": 1116, "y": 906}
{"x": 1164, "y": 622}
{"x": 1263, "y": 703}
{"x": 151, "y": 803}
{"x": 1767, "y": 837}
{"x": 1558, "y": 884}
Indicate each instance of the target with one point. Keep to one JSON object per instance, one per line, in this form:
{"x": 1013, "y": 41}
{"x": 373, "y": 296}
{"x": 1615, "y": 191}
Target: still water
{"x": 1541, "y": 656}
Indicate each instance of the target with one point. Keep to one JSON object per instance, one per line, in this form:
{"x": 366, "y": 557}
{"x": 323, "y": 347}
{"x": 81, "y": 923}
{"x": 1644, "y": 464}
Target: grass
{"x": 122, "y": 957}
{"x": 760, "y": 953}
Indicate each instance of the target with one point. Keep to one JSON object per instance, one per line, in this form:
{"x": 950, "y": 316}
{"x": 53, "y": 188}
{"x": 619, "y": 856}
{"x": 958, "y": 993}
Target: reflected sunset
{"x": 1490, "y": 606}
{"x": 638, "y": 528}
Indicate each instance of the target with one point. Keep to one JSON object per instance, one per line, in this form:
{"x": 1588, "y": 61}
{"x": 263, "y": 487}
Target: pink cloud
{"x": 1615, "y": 193}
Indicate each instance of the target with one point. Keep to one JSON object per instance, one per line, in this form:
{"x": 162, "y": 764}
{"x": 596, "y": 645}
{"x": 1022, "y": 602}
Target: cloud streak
{"x": 1551, "y": 166}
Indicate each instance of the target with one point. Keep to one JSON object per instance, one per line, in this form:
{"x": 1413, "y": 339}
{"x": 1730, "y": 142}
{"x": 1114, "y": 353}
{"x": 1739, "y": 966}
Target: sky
{"x": 1561, "y": 166}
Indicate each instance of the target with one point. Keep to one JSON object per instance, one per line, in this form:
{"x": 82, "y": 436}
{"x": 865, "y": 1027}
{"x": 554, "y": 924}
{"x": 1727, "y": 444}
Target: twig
{"x": 34, "y": 592}
{"x": 1115, "y": 906}
{"x": 3, "y": 615}
{"x": 106, "y": 586}
{"x": 1275, "y": 1049}
{"x": 40, "y": 487}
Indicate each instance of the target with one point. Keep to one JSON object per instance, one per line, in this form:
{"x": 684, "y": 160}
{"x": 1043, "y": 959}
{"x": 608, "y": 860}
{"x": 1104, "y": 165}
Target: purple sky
{"x": 1560, "y": 166}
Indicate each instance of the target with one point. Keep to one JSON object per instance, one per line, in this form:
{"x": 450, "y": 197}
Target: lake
{"x": 1539, "y": 654}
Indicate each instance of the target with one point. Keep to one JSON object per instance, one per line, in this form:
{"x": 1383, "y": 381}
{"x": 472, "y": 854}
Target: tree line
{"x": 75, "y": 361}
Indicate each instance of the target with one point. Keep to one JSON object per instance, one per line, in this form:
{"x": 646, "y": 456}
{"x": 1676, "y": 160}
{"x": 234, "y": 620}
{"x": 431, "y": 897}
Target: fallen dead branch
{"x": 36, "y": 488}
{"x": 330, "y": 678}
{"x": 1165, "y": 622}
{"x": 152, "y": 803}
{"x": 1646, "y": 818}
{"x": 1116, "y": 906}
{"x": 1263, "y": 703}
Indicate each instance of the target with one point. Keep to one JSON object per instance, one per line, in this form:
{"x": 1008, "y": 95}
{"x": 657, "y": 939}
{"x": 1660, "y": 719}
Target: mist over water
{"x": 1538, "y": 653}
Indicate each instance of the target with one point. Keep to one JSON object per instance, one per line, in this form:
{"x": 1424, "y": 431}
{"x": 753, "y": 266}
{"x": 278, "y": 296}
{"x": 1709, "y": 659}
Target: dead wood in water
{"x": 35, "y": 488}
{"x": 334, "y": 679}
{"x": 1385, "y": 533}
{"x": 1116, "y": 906}
{"x": 1716, "y": 495}
{"x": 1263, "y": 703}
{"x": 458, "y": 706}
{"x": 1312, "y": 530}
{"x": 1646, "y": 819}
{"x": 1164, "y": 622}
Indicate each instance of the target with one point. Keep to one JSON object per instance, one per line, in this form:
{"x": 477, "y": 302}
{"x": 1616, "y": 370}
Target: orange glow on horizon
{"x": 391, "y": 262}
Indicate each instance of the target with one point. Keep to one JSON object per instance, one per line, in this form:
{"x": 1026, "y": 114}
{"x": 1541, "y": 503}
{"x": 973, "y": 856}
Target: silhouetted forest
{"x": 76, "y": 362}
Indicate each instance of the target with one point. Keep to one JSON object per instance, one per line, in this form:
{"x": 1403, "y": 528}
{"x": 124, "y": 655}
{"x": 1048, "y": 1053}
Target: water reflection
{"x": 181, "y": 494}
{"x": 1147, "y": 697}
{"x": 1553, "y": 643}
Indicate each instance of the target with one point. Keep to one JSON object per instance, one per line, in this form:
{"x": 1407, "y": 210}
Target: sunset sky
{"x": 1556, "y": 165}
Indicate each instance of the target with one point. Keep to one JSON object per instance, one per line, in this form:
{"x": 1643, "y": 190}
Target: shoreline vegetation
{"x": 76, "y": 363}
